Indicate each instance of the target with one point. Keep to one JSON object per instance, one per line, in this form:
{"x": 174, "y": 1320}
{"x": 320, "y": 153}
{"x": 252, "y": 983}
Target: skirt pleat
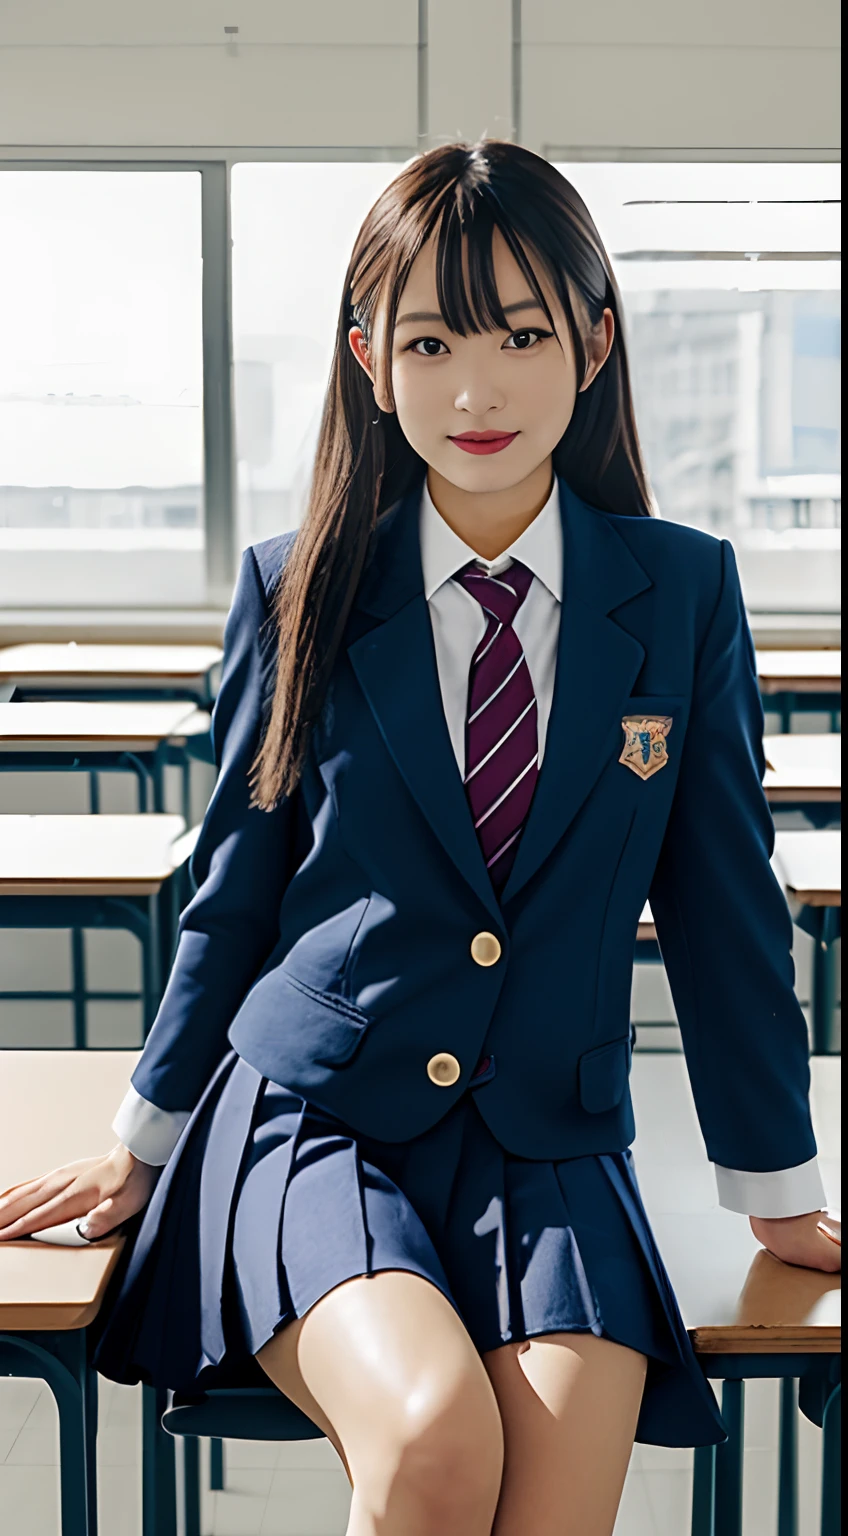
{"x": 268, "y": 1202}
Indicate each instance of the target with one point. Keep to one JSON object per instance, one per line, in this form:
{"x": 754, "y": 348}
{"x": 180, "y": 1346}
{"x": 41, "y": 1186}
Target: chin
{"x": 483, "y": 472}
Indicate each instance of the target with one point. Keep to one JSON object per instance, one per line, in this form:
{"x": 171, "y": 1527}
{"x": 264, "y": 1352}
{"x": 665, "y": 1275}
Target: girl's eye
{"x": 425, "y": 341}
{"x": 524, "y": 342}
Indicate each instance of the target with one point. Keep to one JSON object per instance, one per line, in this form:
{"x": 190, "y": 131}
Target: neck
{"x": 490, "y": 521}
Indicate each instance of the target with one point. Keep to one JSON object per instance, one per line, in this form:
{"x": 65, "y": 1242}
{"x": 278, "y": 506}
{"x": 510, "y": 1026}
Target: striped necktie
{"x": 501, "y": 736}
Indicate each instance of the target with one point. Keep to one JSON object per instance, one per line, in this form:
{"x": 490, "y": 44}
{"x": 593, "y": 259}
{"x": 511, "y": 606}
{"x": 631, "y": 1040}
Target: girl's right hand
{"x": 105, "y": 1190}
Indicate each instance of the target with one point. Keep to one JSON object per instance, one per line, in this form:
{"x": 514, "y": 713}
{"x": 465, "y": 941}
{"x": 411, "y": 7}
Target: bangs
{"x": 465, "y": 272}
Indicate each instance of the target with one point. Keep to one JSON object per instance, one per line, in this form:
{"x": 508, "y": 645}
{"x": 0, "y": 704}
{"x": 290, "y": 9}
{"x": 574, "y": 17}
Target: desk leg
{"x": 151, "y": 959}
{"x": 831, "y": 1522}
{"x": 787, "y": 1496}
{"x": 824, "y": 982}
{"x": 158, "y": 1475}
{"x": 60, "y": 1359}
{"x": 216, "y": 1464}
{"x": 78, "y": 978}
{"x": 703, "y": 1491}
{"x": 728, "y": 1494}
{"x": 160, "y": 758}
{"x": 191, "y": 1485}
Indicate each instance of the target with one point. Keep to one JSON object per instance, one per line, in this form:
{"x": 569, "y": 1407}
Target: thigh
{"x": 569, "y": 1403}
{"x": 383, "y": 1361}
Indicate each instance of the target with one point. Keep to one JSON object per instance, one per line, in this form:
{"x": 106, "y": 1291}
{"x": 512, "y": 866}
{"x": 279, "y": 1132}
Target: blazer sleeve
{"x": 725, "y": 931}
{"x": 241, "y": 867}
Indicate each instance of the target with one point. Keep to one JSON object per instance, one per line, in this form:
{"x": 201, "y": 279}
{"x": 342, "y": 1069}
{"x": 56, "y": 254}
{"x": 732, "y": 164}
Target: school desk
{"x": 748, "y": 1315}
{"x": 809, "y": 865}
{"x": 80, "y": 872}
{"x": 55, "y": 1107}
{"x": 138, "y": 737}
{"x": 793, "y": 681}
{"x": 804, "y": 772}
{"x": 83, "y": 671}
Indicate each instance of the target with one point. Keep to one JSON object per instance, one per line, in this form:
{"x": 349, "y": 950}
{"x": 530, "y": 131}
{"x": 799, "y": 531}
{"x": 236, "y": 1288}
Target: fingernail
{"x": 829, "y": 1233}
{"x": 82, "y": 1228}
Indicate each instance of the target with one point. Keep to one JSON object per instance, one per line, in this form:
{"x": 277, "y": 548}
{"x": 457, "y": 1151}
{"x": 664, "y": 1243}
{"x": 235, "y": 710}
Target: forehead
{"x": 511, "y": 282}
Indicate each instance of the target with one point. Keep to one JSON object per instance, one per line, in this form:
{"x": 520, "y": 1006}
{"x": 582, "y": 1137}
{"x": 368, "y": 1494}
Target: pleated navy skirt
{"x": 267, "y": 1202}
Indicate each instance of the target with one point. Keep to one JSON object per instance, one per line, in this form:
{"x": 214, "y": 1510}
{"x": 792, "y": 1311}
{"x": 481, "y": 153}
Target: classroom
{"x": 420, "y": 768}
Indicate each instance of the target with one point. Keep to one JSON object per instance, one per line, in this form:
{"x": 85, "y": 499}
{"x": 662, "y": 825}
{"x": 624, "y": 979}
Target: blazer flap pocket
{"x": 330, "y": 1029}
{"x": 654, "y": 703}
{"x": 602, "y": 1075}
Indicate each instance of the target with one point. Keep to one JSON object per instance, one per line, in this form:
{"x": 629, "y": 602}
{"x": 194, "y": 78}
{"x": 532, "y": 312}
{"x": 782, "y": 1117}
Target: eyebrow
{"x": 419, "y": 315}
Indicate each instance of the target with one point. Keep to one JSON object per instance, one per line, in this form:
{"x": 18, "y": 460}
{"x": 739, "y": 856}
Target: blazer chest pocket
{"x": 602, "y": 1075}
{"x": 326, "y": 1028}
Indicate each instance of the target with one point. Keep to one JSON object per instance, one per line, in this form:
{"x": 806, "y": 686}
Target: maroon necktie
{"x": 501, "y": 735}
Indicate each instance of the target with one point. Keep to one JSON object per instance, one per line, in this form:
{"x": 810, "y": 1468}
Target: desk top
{"x": 57, "y": 1106}
{"x": 809, "y": 864}
{"x": 58, "y": 724}
{"x": 735, "y": 1298}
{"x": 48, "y": 855}
{"x": 803, "y": 766}
{"x": 158, "y": 663}
{"x": 801, "y": 671}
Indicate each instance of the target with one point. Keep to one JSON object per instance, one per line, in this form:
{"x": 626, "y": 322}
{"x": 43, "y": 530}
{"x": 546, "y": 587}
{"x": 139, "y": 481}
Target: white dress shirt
{"x": 459, "y": 624}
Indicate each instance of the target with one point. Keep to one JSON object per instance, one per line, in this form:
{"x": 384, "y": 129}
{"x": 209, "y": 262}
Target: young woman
{"x": 477, "y": 710}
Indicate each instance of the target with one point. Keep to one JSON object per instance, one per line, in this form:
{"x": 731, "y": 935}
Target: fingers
{"x": 102, "y": 1219}
{"x": 56, "y": 1197}
{"x": 31, "y": 1197}
{"x": 831, "y": 1245}
{"x": 64, "y": 1206}
{"x": 21, "y": 1192}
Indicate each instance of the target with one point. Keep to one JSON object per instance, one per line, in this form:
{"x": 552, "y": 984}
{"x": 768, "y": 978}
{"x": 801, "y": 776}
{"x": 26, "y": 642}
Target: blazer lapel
{"x": 395, "y": 664}
{"x": 597, "y": 664}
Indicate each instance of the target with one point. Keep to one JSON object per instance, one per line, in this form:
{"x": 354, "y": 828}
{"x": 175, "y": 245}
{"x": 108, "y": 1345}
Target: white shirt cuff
{"x": 148, "y": 1132}
{"x": 785, "y": 1192}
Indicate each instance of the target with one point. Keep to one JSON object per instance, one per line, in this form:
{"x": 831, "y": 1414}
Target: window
{"x": 731, "y": 284}
{"x": 293, "y": 231}
{"x": 101, "y": 437}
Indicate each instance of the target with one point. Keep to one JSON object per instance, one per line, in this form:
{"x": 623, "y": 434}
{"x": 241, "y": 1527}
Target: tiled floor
{"x": 301, "y": 1490}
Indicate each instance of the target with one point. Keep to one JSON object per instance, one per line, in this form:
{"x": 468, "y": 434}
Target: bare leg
{"x": 384, "y": 1365}
{"x": 569, "y": 1403}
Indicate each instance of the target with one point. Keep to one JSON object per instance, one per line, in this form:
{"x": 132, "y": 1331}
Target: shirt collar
{"x": 539, "y": 547}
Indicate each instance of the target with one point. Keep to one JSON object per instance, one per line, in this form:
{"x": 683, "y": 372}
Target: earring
{"x": 377, "y": 409}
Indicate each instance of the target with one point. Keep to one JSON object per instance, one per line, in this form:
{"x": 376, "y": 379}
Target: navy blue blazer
{"x": 329, "y": 939}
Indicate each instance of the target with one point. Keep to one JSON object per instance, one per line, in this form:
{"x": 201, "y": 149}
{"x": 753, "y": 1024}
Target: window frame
{"x": 219, "y": 446}
{"x": 214, "y": 165}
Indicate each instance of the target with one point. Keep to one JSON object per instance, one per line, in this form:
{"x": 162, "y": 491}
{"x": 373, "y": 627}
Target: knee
{"x": 448, "y": 1459}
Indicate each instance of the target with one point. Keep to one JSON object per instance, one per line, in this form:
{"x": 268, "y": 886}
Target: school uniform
{"x": 396, "y": 1032}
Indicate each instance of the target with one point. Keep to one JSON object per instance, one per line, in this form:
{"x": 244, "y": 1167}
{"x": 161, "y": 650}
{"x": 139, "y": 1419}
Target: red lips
{"x": 483, "y": 442}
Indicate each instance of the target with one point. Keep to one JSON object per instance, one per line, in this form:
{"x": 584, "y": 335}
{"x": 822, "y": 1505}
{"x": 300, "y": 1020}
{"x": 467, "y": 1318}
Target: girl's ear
{"x": 598, "y": 347}
{"x": 356, "y": 337}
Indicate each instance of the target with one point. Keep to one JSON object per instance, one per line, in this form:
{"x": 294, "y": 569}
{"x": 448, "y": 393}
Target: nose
{"x": 478, "y": 393}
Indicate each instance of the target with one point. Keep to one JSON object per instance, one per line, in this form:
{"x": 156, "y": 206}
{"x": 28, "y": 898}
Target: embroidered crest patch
{"x": 644, "y": 747}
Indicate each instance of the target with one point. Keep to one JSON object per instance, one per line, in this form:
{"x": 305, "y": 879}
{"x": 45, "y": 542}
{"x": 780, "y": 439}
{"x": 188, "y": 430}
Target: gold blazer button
{"x": 485, "y": 949}
{"x": 443, "y": 1069}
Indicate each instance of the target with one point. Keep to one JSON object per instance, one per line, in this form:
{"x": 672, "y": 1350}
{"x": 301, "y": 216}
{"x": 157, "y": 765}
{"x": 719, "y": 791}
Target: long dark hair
{"x": 459, "y": 193}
